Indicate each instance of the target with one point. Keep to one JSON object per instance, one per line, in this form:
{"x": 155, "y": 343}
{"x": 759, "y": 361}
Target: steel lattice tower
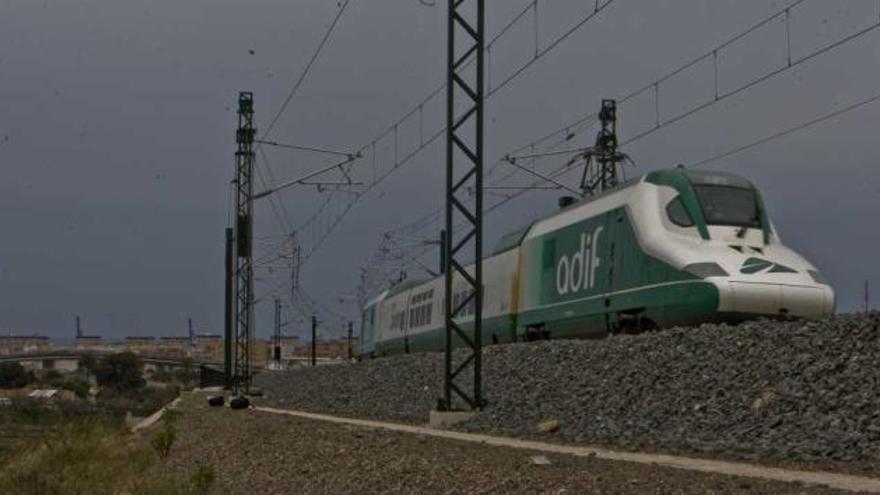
{"x": 244, "y": 229}
{"x": 465, "y": 90}
{"x": 600, "y": 171}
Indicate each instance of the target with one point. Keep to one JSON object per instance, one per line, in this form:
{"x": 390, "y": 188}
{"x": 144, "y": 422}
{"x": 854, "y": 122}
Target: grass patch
{"x": 81, "y": 457}
{"x": 57, "y": 451}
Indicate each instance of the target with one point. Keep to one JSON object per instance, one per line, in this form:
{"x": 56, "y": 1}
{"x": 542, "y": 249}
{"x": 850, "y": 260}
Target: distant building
{"x": 290, "y": 347}
{"x": 174, "y": 347}
{"x": 20, "y": 344}
{"x": 87, "y": 342}
{"x": 209, "y": 347}
{"x": 140, "y": 344}
{"x": 333, "y": 349}
{"x": 262, "y": 352}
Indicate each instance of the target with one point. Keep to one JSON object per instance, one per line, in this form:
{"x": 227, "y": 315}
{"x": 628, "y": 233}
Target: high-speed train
{"x": 670, "y": 248}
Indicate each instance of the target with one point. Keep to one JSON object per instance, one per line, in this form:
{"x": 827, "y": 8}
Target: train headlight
{"x": 706, "y": 270}
{"x": 817, "y": 277}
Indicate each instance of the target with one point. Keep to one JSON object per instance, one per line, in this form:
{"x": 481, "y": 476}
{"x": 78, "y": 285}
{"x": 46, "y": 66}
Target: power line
{"x": 283, "y": 222}
{"x": 377, "y": 267}
{"x": 566, "y": 167}
{"x": 718, "y": 96}
{"x": 540, "y": 53}
{"x": 712, "y": 54}
{"x": 785, "y": 132}
{"x": 754, "y": 82}
{"x": 418, "y": 109}
{"x": 308, "y": 67}
{"x": 303, "y": 148}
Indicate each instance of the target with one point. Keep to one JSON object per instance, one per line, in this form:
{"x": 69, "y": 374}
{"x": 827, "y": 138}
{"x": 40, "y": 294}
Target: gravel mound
{"x": 770, "y": 390}
{"x": 400, "y": 388}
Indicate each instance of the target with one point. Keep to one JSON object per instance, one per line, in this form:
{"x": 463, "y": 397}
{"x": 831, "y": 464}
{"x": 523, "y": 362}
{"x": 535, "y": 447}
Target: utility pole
{"x": 295, "y": 262}
{"x": 244, "y": 230}
{"x": 602, "y": 160}
{"x": 314, "y": 333}
{"x": 192, "y": 335}
{"x": 350, "y": 331}
{"x": 465, "y": 95}
{"x": 78, "y": 328}
{"x": 277, "y": 339}
{"x": 229, "y": 308}
{"x": 866, "y": 296}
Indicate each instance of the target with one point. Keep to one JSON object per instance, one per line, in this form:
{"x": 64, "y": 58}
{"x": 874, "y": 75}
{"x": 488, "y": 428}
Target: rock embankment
{"x": 766, "y": 389}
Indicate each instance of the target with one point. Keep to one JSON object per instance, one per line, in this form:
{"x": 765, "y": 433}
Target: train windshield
{"x": 726, "y": 205}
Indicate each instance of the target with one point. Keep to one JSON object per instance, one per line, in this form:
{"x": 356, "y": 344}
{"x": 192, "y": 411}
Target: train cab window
{"x": 727, "y": 205}
{"x": 678, "y": 214}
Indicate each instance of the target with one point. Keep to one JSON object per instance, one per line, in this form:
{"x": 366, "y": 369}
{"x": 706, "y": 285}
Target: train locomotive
{"x": 670, "y": 248}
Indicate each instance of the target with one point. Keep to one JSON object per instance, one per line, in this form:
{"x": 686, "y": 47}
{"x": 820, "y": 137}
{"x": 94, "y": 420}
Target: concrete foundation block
{"x": 445, "y": 419}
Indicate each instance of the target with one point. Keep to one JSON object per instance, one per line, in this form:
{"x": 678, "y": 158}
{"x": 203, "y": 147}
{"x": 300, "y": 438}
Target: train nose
{"x": 807, "y": 301}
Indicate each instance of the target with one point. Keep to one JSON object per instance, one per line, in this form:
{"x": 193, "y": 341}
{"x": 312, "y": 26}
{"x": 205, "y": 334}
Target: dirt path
{"x": 256, "y": 451}
{"x": 832, "y": 480}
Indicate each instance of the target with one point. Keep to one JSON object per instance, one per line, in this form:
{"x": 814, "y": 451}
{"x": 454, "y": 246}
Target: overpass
{"x": 69, "y": 359}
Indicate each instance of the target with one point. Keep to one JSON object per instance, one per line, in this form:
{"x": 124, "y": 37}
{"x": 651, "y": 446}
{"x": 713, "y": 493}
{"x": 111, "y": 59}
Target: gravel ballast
{"x": 800, "y": 390}
{"x": 255, "y": 452}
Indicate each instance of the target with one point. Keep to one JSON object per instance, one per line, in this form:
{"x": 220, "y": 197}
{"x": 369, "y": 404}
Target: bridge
{"x": 69, "y": 360}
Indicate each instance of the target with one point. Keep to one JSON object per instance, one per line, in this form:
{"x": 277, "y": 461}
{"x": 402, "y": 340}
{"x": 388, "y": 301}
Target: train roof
{"x": 404, "y": 285}
{"x": 515, "y": 238}
{"x": 696, "y": 177}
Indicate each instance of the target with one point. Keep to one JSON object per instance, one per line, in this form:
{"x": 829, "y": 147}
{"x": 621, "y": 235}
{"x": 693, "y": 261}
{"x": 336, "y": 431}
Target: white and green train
{"x": 673, "y": 247}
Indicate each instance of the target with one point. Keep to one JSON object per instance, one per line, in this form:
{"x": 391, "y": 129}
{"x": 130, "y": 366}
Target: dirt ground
{"x": 256, "y": 452}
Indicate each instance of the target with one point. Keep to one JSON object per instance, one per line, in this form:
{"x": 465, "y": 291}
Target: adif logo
{"x": 578, "y": 271}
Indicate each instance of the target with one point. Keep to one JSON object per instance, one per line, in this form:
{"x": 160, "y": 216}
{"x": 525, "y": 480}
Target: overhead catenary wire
{"x": 540, "y": 53}
{"x": 303, "y": 148}
{"x": 398, "y": 163}
{"x": 541, "y": 176}
{"x": 719, "y": 96}
{"x": 566, "y": 167}
{"x": 754, "y": 82}
{"x": 652, "y": 86}
{"x": 786, "y": 132}
{"x": 283, "y": 216}
{"x": 308, "y": 67}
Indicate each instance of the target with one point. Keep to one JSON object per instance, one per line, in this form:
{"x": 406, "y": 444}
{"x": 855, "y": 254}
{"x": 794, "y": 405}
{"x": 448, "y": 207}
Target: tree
{"x": 53, "y": 378}
{"x": 187, "y": 371}
{"x": 121, "y": 372}
{"x": 89, "y": 362}
{"x": 13, "y": 375}
{"x": 79, "y": 387}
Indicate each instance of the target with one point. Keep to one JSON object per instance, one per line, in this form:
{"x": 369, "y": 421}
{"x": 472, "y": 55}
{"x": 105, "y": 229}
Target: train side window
{"x": 678, "y": 214}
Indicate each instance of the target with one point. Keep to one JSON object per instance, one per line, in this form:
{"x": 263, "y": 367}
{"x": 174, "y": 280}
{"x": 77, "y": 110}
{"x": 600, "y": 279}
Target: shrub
{"x": 29, "y": 410}
{"x": 79, "y": 387}
{"x": 53, "y": 378}
{"x": 88, "y": 457}
{"x": 150, "y": 399}
{"x": 88, "y": 362}
{"x": 163, "y": 440}
{"x": 203, "y": 479}
{"x": 13, "y": 375}
{"x": 169, "y": 418}
{"x": 81, "y": 457}
{"x": 186, "y": 373}
{"x": 121, "y": 372}
{"x": 163, "y": 376}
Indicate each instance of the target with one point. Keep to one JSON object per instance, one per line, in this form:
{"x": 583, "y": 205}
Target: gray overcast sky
{"x": 116, "y": 135}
